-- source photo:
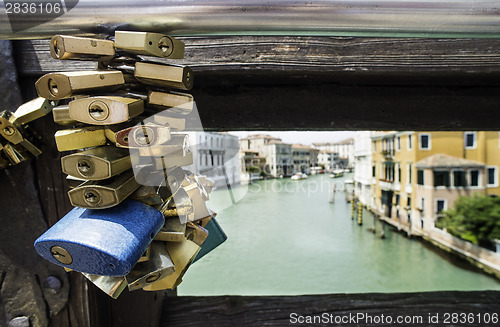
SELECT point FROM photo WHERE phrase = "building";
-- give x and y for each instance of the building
(363, 167)
(216, 156)
(415, 176)
(302, 155)
(278, 155)
(251, 165)
(328, 159)
(345, 150)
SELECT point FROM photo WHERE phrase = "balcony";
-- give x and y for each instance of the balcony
(388, 154)
(387, 185)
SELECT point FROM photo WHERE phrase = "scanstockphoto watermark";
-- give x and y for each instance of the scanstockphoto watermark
(24, 14)
(306, 187)
(364, 318)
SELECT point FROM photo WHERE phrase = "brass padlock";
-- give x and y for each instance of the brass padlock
(178, 205)
(158, 267)
(80, 138)
(199, 205)
(81, 48)
(107, 110)
(182, 254)
(138, 136)
(103, 194)
(148, 195)
(175, 102)
(61, 116)
(97, 163)
(32, 110)
(179, 143)
(172, 231)
(175, 124)
(177, 159)
(149, 44)
(111, 285)
(56, 86)
(174, 76)
(14, 154)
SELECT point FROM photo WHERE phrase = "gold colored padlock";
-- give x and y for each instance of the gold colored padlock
(61, 116)
(32, 110)
(103, 194)
(81, 48)
(173, 76)
(172, 231)
(175, 124)
(179, 143)
(196, 233)
(182, 254)
(158, 267)
(102, 110)
(56, 86)
(149, 44)
(111, 285)
(177, 159)
(97, 163)
(200, 207)
(138, 136)
(80, 138)
(175, 102)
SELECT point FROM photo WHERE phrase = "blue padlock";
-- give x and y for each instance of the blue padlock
(106, 242)
(216, 237)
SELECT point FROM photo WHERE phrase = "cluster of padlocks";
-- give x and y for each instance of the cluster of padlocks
(140, 219)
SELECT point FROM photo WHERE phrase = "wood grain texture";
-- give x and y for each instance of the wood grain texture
(221, 311)
(333, 58)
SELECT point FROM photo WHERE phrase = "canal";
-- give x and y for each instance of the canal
(285, 238)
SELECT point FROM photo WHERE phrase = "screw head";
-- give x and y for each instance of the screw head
(92, 197)
(61, 255)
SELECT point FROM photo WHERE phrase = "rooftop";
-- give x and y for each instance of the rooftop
(442, 160)
(346, 141)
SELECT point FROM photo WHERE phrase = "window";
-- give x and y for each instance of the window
(374, 146)
(470, 140)
(409, 142)
(440, 206)
(408, 202)
(459, 178)
(441, 178)
(399, 143)
(474, 177)
(399, 172)
(492, 176)
(397, 199)
(374, 170)
(424, 141)
(409, 173)
(420, 177)
(423, 204)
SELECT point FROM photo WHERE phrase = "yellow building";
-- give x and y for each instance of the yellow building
(416, 175)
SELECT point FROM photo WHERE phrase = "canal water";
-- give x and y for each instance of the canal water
(286, 238)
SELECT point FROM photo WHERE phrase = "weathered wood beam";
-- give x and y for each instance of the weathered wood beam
(259, 311)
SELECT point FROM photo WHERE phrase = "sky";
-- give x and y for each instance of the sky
(306, 138)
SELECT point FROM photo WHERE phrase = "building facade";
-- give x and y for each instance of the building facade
(345, 150)
(415, 176)
(363, 167)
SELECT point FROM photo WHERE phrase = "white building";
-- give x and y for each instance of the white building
(216, 156)
(344, 148)
(363, 167)
(278, 155)
(328, 159)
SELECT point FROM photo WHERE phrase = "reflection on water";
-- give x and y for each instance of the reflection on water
(285, 238)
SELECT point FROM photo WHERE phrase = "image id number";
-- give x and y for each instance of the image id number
(32, 8)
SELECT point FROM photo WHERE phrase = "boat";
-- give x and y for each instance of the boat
(337, 173)
(298, 176)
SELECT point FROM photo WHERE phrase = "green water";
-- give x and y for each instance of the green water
(285, 238)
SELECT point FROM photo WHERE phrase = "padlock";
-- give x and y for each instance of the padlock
(56, 86)
(74, 181)
(103, 194)
(14, 154)
(140, 135)
(32, 110)
(12, 131)
(178, 143)
(200, 208)
(216, 237)
(195, 233)
(175, 102)
(81, 48)
(158, 266)
(182, 254)
(97, 163)
(148, 195)
(176, 159)
(164, 118)
(107, 110)
(111, 285)
(178, 205)
(61, 116)
(149, 44)
(172, 231)
(80, 138)
(101, 242)
(164, 75)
